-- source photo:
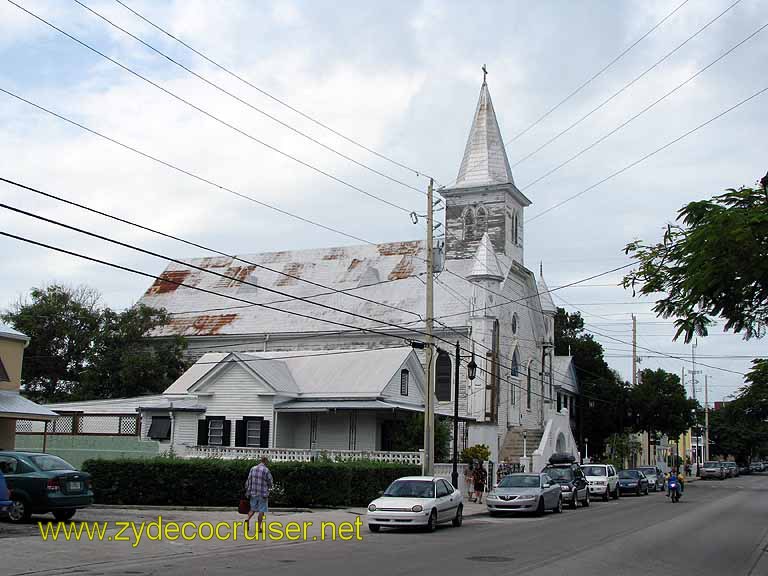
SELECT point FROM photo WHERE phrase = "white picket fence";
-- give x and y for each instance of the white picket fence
(301, 455)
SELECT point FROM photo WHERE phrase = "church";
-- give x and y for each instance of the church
(285, 373)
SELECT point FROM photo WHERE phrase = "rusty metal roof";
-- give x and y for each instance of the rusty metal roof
(384, 273)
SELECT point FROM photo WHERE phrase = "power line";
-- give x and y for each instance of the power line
(221, 67)
(644, 110)
(213, 116)
(596, 75)
(245, 102)
(650, 154)
(206, 248)
(625, 87)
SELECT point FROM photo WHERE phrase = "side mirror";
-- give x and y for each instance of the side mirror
(381, 492)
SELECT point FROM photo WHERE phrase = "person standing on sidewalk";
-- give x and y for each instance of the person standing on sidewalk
(257, 490)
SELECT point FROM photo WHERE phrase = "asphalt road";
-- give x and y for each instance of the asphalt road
(719, 528)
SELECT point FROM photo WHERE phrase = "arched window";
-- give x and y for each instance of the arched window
(528, 387)
(469, 224)
(481, 222)
(515, 371)
(404, 382)
(514, 228)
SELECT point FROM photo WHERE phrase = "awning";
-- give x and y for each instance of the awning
(13, 405)
(330, 405)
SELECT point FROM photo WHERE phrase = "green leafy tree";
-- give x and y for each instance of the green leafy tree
(408, 435)
(603, 401)
(80, 349)
(713, 262)
(659, 403)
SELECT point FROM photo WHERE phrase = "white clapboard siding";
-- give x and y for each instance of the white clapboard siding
(237, 393)
(185, 428)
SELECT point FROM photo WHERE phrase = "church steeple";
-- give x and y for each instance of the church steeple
(485, 160)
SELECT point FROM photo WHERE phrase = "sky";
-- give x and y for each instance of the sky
(402, 78)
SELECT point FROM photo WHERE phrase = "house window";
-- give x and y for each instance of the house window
(404, 383)
(481, 222)
(469, 224)
(528, 387)
(3, 373)
(160, 428)
(216, 432)
(515, 369)
(559, 402)
(253, 432)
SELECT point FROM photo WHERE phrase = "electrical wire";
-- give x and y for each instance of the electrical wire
(419, 173)
(213, 116)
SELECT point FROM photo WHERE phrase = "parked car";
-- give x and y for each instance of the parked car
(633, 482)
(5, 495)
(603, 480)
(732, 468)
(573, 484)
(655, 477)
(756, 466)
(41, 483)
(745, 469)
(525, 493)
(712, 469)
(416, 501)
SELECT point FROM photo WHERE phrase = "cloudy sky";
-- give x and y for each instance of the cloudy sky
(403, 79)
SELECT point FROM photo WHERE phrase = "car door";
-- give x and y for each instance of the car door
(580, 483)
(441, 500)
(453, 500)
(17, 480)
(551, 491)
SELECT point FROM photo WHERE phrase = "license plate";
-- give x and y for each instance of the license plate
(74, 486)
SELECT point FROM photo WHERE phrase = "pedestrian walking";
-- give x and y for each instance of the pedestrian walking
(257, 490)
(480, 478)
(469, 480)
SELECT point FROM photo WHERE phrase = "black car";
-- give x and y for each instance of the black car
(562, 468)
(633, 482)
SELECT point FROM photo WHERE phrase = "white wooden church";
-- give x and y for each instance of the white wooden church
(267, 379)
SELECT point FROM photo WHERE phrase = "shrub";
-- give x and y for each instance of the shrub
(214, 482)
(479, 452)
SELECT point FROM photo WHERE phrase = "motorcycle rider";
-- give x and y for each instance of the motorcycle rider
(674, 477)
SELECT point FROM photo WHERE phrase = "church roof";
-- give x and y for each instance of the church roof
(485, 161)
(547, 304)
(485, 262)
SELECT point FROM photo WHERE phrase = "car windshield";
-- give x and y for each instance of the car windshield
(646, 471)
(595, 470)
(559, 473)
(47, 463)
(520, 481)
(711, 464)
(411, 489)
(629, 474)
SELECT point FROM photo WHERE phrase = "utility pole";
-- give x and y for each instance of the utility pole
(634, 350)
(696, 415)
(706, 417)
(455, 471)
(427, 465)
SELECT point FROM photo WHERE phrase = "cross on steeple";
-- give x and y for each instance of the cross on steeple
(485, 73)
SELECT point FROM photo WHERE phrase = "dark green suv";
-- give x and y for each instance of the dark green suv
(41, 483)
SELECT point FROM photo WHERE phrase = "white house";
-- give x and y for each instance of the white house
(485, 298)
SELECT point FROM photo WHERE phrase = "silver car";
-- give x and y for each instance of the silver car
(712, 470)
(525, 493)
(655, 477)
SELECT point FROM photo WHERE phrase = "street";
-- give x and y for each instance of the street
(718, 528)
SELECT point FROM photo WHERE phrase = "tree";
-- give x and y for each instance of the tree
(712, 262)
(80, 349)
(603, 393)
(408, 435)
(659, 404)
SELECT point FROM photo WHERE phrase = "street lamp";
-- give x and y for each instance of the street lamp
(586, 449)
(472, 368)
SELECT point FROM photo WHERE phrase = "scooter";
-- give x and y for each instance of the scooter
(674, 490)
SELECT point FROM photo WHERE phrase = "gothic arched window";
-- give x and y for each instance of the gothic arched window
(469, 223)
(481, 222)
(515, 370)
(514, 228)
(528, 390)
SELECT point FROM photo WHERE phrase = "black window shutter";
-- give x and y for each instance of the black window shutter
(443, 373)
(265, 434)
(240, 433)
(202, 432)
(226, 436)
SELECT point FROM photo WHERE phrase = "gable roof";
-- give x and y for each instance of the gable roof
(13, 405)
(565, 373)
(12, 334)
(485, 159)
(485, 263)
(547, 304)
(322, 374)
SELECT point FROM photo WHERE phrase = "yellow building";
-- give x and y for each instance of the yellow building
(12, 405)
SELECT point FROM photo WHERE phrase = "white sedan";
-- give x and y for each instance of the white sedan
(416, 501)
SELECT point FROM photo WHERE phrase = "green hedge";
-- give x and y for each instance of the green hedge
(211, 482)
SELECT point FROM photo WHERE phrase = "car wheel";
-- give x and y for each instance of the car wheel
(432, 522)
(605, 495)
(585, 502)
(19, 511)
(64, 515)
(459, 517)
(374, 527)
(540, 507)
(559, 508)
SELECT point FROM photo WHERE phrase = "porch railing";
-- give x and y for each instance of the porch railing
(301, 455)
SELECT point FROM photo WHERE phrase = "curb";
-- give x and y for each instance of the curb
(189, 508)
